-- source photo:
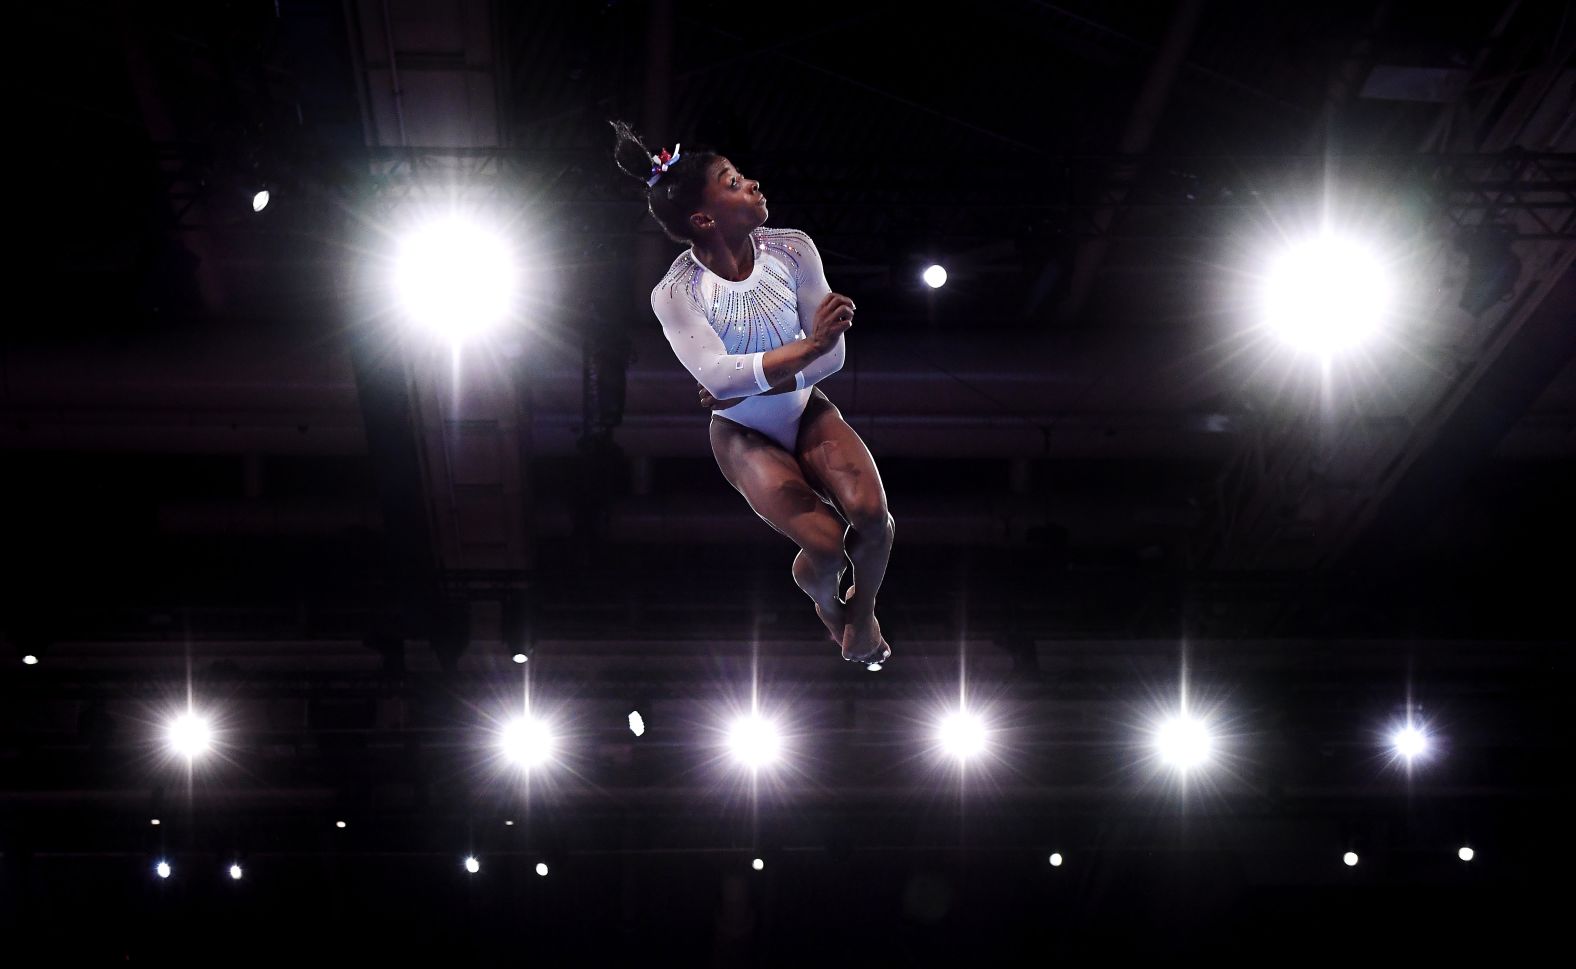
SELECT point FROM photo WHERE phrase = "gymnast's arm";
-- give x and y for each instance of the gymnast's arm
(726, 375)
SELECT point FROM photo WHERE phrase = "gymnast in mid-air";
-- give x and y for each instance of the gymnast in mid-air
(748, 311)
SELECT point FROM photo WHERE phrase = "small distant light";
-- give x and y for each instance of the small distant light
(163, 869)
(155, 822)
(30, 659)
(758, 864)
(935, 277)
(235, 872)
(1466, 854)
(508, 824)
(1410, 742)
(339, 824)
(472, 865)
(541, 870)
(637, 725)
(1350, 859)
(520, 657)
(1056, 861)
(874, 667)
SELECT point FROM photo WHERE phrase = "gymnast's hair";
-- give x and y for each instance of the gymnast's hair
(678, 191)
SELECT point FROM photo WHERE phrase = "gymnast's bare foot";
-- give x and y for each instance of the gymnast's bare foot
(862, 640)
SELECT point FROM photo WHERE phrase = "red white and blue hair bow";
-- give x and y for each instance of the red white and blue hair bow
(660, 163)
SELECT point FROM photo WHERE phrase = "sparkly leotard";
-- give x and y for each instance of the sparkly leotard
(720, 329)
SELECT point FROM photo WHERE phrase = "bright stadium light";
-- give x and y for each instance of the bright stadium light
(754, 741)
(1410, 742)
(456, 278)
(1184, 742)
(528, 742)
(190, 736)
(1326, 295)
(963, 735)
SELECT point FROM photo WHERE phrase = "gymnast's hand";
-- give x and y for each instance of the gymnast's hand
(713, 404)
(832, 317)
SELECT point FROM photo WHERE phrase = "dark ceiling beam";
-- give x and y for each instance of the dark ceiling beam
(1079, 30)
(881, 93)
(388, 415)
(152, 103)
(1136, 136)
(1467, 434)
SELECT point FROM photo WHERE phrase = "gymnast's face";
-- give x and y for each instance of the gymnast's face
(732, 205)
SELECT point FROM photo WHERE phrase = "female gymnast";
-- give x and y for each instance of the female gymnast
(749, 313)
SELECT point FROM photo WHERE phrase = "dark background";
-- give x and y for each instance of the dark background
(228, 473)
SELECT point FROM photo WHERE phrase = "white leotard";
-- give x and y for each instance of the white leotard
(720, 329)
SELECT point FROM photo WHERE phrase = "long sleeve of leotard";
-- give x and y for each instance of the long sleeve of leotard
(725, 375)
(811, 289)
